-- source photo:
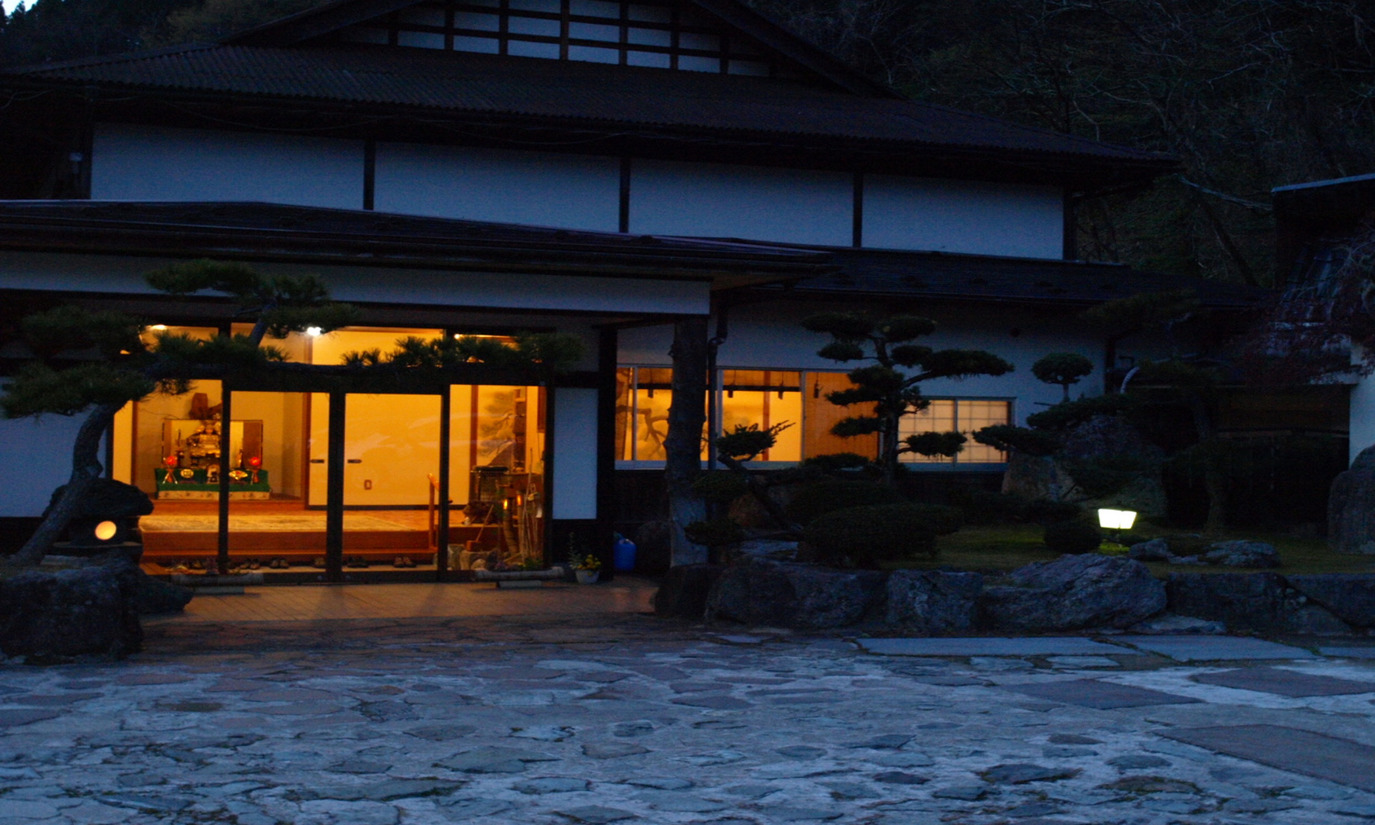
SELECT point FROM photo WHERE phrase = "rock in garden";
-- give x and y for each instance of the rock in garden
(1168, 624)
(683, 591)
(1241, 601)
(764, 549)
(66, 614)
(1351, 507)
(1350, 597)
(1072, 593)
(1242, 554)
(794, 595)
(932, 602)
(1153, 550)
(1251, 602)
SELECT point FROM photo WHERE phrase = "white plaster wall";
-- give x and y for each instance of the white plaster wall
(38, 452)
(157, 164)
(960, 216)
(575, 453)
(534, 188)
(1362, 412)
(714, 200)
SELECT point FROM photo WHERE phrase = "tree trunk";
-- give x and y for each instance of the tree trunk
(683, 445)
(1214, 477)
(86, 468)
(888, 449)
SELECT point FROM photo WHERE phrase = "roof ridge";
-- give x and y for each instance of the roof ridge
(109, 59)
(1044, 130)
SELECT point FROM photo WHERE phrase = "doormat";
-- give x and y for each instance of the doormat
(266, 523)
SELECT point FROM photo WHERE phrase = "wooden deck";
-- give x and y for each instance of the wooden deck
(627, 594)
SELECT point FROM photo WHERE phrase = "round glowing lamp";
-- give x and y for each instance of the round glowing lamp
(106, 530)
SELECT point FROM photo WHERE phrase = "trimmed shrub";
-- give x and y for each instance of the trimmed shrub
(822, 497)
(988, 507)
(1046, 511)
(715, 533)
(720, 486)
(1076, 536)
(943, 518)
(870, 535)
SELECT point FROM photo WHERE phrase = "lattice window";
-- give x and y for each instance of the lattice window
(593, 31)
(967, 416)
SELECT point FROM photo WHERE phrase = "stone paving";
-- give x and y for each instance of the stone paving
(629, 718)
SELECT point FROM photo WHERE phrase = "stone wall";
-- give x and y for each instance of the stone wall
(1072, 594)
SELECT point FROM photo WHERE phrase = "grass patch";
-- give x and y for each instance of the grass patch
(1003, 548)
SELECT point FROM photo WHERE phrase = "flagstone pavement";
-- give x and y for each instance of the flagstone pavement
(620, 717)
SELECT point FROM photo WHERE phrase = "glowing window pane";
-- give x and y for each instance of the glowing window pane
(965, 416)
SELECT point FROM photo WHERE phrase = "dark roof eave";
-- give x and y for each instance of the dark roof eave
(1107, 174)
(632, 257)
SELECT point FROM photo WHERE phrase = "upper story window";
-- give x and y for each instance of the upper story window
(622, 33)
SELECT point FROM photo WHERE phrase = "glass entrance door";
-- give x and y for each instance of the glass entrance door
(374, 466)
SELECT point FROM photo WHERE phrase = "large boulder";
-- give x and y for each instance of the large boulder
(1349, 597)
(932, 602)
(1073, 593)
(1242, 554)
(1351, 507)
(683, 591)
(68, 614)
(795, 595)
(1241, 601)
(1251, 602)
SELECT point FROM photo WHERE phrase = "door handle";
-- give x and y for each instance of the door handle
(317, 461)
(355, 460)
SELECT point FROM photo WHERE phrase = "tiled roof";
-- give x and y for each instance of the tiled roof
(573, 94)
(340, 236)
(263, 231)
(982, 278)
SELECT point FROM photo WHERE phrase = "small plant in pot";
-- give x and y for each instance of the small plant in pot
(587, 568)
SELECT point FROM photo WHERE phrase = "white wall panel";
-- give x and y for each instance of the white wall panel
(535, 188)
(1362, 411)
(722, 201)
(39, 449)
(958, 216)
(156, 164)
(575, 454)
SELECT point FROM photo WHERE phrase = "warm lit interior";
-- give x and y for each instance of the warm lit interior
(279, 449)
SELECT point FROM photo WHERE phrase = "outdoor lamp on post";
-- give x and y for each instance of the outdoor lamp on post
(1116, 520)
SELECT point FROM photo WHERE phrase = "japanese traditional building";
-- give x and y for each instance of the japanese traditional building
(600, 168)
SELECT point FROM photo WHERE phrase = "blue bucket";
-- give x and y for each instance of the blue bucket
(624, 557)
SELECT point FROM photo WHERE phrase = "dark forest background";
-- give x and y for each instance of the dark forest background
(1248, 94)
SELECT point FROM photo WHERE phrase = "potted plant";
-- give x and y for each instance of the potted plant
(587, 569)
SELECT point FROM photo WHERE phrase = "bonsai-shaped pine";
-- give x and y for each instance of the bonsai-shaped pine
(886, 384)
(94, 362)
(1043, 434)
(1063, 368)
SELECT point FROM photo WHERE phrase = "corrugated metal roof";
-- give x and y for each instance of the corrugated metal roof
(570, 93)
